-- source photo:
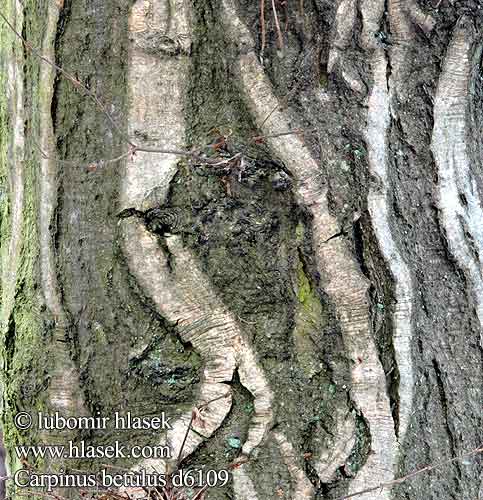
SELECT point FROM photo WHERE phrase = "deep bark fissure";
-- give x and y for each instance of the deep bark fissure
(444, 404)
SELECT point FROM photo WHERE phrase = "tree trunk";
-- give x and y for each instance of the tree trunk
(262, 218)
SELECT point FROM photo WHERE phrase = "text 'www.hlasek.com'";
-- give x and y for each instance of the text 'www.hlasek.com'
(106, 475)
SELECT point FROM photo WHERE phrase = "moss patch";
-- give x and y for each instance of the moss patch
(25, 358)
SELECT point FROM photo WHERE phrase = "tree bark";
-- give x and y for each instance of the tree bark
(300, 290)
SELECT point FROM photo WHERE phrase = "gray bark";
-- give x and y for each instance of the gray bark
(308, 281)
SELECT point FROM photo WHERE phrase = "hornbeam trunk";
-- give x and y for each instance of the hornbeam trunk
(262, 219)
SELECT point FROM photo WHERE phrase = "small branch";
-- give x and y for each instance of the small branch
(411, 475)
(277, 26)
(134, 148)
(77, 83)
(178, 152)
(76, 162)
(259, 138)
(262, 26)
(193, 414)
(198, 495)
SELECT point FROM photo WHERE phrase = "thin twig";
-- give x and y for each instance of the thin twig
(204, 405)
(177, 152)
(411, 475)
(258, 138)
(179, 457)
(277, 26)
(76, 82)
(133, 148)
(198, 495)
(76, 162)
(262, 26)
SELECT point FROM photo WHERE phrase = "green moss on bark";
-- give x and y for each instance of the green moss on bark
(25, 343)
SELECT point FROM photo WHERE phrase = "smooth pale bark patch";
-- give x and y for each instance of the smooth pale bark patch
(156, 88)
(458, 197)
(243, 486)
(378, 206)
(303, 488)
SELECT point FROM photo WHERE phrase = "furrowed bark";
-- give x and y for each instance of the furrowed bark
(64, 389)
(342, 279)
(403, 16)
(437, 283)
(386, 88)
(379, 209)
(183, 296)
(376, 138)
(371, 12)
(312, 325)
(458, 194)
